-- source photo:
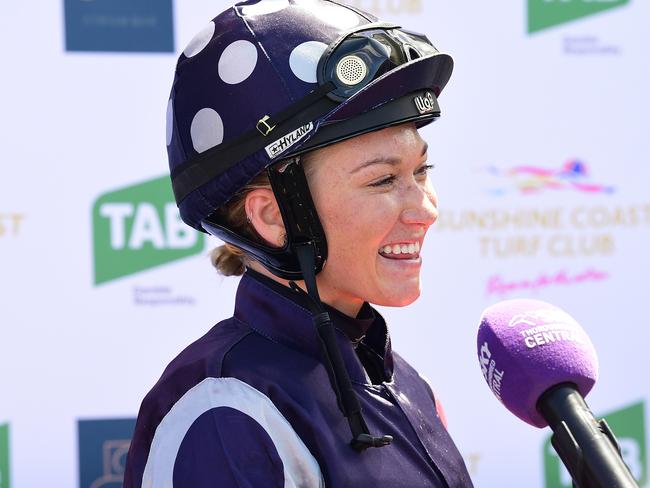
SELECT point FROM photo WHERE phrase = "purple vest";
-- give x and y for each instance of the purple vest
(250, 405)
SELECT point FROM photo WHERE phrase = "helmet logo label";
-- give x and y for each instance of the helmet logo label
(426, 103)
(285, 142)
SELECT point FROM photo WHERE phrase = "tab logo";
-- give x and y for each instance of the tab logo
(543, 14)
(291, 139)
(5, 480)
(628, 425)
(103, 446)
(138, 228)
(426, 103)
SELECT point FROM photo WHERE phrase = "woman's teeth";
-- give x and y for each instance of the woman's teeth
(412, 248)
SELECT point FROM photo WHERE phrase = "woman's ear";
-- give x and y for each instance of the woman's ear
(263, 213)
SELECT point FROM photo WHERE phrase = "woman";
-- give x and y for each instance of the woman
(292, 135)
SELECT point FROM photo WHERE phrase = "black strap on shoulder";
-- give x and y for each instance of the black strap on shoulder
(346, 397)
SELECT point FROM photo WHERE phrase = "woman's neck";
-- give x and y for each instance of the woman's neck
(349, 307)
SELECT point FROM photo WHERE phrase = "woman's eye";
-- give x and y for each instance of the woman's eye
(384, 181)
(424, 169)
(389, 180)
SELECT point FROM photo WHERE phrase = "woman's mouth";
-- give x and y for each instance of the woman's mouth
(402, 250)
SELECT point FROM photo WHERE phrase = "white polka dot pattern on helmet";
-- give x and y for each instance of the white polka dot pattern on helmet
(265, 7)
(237, 62)
(206, 129)
(199, 41)
(304, 58)
(169, 131)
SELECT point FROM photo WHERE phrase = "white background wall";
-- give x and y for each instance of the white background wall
(76, 125)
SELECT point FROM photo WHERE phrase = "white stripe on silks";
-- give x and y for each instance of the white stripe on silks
(301, 469)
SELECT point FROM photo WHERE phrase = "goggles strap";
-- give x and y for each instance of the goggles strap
(302, 104)
(362, 28)
(341, 384)
(207, 165)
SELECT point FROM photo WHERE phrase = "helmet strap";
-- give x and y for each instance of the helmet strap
(339, 378)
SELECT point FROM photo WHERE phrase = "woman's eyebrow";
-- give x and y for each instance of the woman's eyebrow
(384, 160)
(379, 160)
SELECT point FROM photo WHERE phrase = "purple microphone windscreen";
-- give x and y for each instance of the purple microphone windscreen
(527, 346)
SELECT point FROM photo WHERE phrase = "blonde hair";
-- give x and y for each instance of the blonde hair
(230, 260)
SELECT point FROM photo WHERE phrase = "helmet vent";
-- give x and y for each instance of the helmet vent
(351, 70)
(411, 52)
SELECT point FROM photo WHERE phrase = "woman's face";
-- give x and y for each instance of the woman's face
(376, 203)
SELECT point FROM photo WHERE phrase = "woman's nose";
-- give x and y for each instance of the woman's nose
(421, 205)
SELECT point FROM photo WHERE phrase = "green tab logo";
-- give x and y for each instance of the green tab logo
(138, 228)
(543, 14)
(628, 425)
(4, 456)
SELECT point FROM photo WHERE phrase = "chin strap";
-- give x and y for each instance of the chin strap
(339, 378)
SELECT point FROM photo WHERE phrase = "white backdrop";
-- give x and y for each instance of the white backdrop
(75, 126)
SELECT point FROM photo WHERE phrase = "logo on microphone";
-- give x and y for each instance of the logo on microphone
(540, 317)
(521, 319)
(628, 425)
(492, 375)
(546, 326)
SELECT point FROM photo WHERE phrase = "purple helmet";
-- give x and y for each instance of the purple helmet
(267, 80)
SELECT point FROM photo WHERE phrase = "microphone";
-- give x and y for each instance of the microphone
(540, 363)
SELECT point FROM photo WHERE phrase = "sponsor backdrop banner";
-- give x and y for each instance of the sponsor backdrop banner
(119, 25)
(4, 456)
(542, 170)
(103, 446)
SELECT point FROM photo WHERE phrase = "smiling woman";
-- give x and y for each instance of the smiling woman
(375, 221)
(323, 205)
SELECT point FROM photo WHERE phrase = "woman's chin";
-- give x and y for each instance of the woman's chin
(406, 297)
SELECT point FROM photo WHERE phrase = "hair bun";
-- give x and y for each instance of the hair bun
(229, 260)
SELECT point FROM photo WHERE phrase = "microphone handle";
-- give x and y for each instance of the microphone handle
(586, 446)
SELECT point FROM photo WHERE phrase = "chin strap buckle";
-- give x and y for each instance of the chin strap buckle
(332, 359)
(364, 441)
